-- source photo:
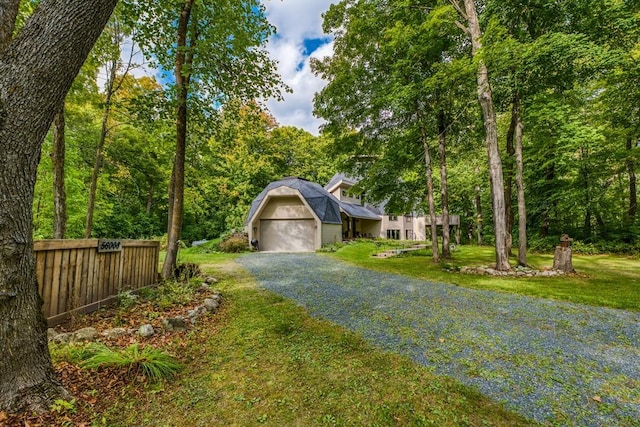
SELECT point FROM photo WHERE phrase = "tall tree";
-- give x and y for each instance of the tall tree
(467, 9)
(59, 191)
(37, 69)
(116, 72)
(216, 49)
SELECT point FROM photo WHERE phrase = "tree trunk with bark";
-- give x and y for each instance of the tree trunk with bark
(8, 14)
(183, 63)
(633, 195)
(485, 98)
(59, 192)
(97, 164)
(509, 173)
(522, 206)
(430, 201)
(36, 71)
(442, 150)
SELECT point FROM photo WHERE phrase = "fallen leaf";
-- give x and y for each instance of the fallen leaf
(597, 399)
(3, 416)
(441, 340)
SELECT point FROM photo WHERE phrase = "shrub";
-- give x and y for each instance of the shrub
(126, 299)
(153, 364)
(234, 244)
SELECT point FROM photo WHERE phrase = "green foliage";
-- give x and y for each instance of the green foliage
(126, 299)
(62, 406)
(153, 364)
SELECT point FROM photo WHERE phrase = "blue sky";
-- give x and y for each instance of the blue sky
(300, 36)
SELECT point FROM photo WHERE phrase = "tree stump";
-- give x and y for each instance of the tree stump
(562, 260)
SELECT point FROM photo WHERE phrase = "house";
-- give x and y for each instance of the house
(366, 220)
(296, 215)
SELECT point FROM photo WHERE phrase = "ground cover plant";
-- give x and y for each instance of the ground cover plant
(556, 362)
(602, 280)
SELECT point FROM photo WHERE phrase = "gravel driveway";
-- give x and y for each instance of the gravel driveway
(554, 362)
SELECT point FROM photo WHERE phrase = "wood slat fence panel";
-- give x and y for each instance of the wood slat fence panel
(74, 277)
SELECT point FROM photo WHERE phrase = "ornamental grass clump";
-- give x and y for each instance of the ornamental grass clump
(149, 362)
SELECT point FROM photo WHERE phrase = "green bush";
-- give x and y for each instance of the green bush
(153, 364)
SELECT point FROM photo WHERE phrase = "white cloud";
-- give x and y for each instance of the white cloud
(297, 21)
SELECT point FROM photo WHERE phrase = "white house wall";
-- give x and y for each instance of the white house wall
(331, 233)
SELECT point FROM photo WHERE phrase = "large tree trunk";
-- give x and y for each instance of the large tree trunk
(485, 99)
(430, 201)
(97, 164)
(36, 71)
(633, 195)
(182, 86)
(522, 206)
(442, 150)
(59, 192)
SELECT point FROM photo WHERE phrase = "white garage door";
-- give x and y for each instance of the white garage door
(287, 235)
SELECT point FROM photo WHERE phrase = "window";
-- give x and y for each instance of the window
(393, 234)
(393, 218)
(344, 192)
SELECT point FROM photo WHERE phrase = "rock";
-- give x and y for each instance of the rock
(490, 271)
(210, 279)
(63, 338)
(481, 270)
(51, 334)
(146, 330)
(85, 334)
(174, 324)
(212, 304)
(196, 313)
(112, 334)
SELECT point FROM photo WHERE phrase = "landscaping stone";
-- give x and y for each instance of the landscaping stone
(63, 338)
(115, 333)
(210, 279)
(51, 334)
(174, 323)
(196, 313)
(146, 331)
(85, 334)
(212, 304)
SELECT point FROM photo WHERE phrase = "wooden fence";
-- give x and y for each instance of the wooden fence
(75, 276)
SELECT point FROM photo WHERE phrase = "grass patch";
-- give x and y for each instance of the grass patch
(605, 280)
(269, 363)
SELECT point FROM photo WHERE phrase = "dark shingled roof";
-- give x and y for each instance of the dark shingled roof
(324, 204)
(357, 211)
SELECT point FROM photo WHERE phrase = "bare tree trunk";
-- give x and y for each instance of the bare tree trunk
(59, 192)
(97, 164)
(633, 195)
(8, 14)
(485, 99)
(36, 71)
(478, 204)
(150, 196)
(442, 149)
(432, 208)
(183, 61)
(522, 206)
(508, 173)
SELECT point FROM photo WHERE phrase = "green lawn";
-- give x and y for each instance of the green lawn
(264, 361)
(603, 280)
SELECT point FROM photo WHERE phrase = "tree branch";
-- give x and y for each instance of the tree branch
(8, 15)
(459, 9)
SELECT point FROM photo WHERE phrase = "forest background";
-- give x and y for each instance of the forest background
(570, 68)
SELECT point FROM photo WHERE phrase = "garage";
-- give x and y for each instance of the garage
(294, 215)
(287, 235)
